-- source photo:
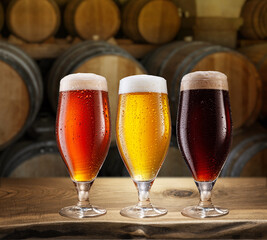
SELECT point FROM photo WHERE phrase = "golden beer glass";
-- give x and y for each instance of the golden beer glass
(143, 131)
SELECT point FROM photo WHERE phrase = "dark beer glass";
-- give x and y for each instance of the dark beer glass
(204, 129)
(83, 135)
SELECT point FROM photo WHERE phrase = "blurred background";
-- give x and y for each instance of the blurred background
(43, 40)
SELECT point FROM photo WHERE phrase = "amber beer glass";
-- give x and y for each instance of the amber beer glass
(143, 131)
(204, 129)
(83, 135)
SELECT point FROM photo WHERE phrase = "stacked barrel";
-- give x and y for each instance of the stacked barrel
(254, 13)
(154, 21)
(29, 87)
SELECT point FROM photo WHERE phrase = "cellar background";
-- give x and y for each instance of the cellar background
(203, 33)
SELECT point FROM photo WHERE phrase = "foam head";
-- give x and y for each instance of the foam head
(83, 81)
(143, 83)
(204, 80)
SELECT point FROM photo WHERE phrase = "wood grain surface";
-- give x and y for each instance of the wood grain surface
(258, 55)
(21, 93)
(92, 19)
(254, 15)
(29, 209)
(33, 21)
(155, 21)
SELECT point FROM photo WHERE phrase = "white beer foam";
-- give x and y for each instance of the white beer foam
(82, 81)
(143, 83)
(204, 80)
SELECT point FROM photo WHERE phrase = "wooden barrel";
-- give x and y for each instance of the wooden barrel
(154, 21)
(33, 21)
(21, 93)
(248, 155)
(258, 55)
(254, 13)
(97, 57)
(92, 19)
(176, 59)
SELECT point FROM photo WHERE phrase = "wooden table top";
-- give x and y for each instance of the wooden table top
(29, 209)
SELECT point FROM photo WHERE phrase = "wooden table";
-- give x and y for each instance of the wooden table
(29, 209)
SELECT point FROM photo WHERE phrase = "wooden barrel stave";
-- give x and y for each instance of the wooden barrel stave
(153, 61)
(96, 24)
(129, 20)
(159, 21)
(35, 85)
(247, 14)
(41, 22)
(23, 107)
(254, 16)
(258, 55)
(143, 21)
(262, 17)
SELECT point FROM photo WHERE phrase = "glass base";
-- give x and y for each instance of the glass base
(201, 212)
(82, 212)
(142, 212)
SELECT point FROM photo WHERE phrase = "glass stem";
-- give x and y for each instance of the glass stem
(205, 189)
(143, 194)
(83, 189)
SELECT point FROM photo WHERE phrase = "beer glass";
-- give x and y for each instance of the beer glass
(143, 131)
(83, 135)
(204, 129)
